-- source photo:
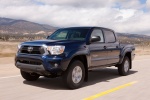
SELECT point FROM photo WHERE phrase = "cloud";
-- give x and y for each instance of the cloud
(78, 3)
(5, 3)
(139, 23)
(129, 4)
(148, 4)
(65, 13)
(95, 3)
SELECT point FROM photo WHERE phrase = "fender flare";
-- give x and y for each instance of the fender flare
(123, 53)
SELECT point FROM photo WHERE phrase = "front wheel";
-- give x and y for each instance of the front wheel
(74, 76)
(29, 76)
(124, 67)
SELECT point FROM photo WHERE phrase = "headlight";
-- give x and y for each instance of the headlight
(56, 50)
(19, 46)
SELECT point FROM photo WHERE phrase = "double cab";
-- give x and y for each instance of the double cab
(71, 53)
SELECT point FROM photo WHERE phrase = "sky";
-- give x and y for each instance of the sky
(125, 16)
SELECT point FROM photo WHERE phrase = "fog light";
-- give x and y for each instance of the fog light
(56, 65)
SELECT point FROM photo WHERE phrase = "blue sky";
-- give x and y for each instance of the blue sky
(127, 16)
(38, 2)
(143, 1)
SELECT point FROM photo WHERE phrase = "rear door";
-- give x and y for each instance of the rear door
(112, 46)
(98, 54)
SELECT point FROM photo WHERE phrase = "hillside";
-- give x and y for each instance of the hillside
(12, 26)
(138, 36)
(18, 30)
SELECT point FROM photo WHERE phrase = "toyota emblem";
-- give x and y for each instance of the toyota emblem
(30, 49)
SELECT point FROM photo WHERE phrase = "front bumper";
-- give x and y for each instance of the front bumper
(41, 64)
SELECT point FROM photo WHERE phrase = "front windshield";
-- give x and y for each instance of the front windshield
(69, 34)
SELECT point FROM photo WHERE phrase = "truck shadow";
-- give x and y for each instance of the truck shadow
(104, 75)
(95, 76)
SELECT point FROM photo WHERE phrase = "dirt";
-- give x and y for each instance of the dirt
(8, 49)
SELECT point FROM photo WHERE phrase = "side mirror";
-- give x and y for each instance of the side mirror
(47, 37)
(95, 38)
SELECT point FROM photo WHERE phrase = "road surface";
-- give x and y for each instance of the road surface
(103, 84)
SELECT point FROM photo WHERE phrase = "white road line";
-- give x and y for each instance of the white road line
(10, 77)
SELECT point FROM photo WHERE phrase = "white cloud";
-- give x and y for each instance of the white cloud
(148, 3)
(127, 13)
(136, 24)
(67, 13)
(78, 3)
(5, 3)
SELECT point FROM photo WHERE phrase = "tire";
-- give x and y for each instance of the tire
(75, 74)
(28, 76)
(124, 67)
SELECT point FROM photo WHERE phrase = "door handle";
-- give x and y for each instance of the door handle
(105, 47)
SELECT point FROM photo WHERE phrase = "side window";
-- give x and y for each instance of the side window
(110, 37)
(98, 32)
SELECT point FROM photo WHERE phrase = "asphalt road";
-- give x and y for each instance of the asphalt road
(103, 84)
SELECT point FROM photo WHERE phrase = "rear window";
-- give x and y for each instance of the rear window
(110, 36)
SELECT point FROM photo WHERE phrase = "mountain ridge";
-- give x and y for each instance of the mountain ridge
(140, 36)
(13, 26)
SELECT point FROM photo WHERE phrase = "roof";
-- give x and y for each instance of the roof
(87, 27)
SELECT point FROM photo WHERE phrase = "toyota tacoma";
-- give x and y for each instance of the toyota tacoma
(71, 53)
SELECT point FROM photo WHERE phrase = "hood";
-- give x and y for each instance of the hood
(52, 42)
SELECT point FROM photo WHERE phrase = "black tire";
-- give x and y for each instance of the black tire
(68, 75)
(28, 76)
(122, 69)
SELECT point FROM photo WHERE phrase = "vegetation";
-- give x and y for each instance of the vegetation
(21, 37)
(29, 37)
(8, 43)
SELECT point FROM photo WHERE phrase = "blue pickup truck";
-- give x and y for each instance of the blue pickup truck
(71, 53)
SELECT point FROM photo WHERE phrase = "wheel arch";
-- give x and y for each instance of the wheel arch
(84, 60)
(127, 54)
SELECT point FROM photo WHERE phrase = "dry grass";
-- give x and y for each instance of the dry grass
(9, 49)
(142, 50)
(7, 54)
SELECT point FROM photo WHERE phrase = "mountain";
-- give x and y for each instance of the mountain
(138, 36)
(13, 26)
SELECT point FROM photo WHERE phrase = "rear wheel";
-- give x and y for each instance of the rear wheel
(29, 76)
(75, 74)
(124, 68)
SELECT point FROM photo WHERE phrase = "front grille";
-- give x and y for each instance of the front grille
(30, 62)
(35, 50)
